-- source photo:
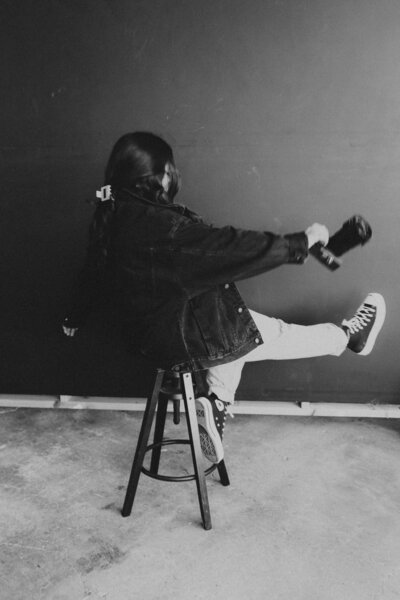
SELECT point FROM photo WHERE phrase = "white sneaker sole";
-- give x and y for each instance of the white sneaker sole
(378, 301)
(210, 440)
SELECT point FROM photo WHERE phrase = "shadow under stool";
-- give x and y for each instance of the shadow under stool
(172, 386)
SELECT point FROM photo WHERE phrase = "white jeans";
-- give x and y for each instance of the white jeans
(282, 341)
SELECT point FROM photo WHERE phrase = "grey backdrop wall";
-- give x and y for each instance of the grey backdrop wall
(281, 113)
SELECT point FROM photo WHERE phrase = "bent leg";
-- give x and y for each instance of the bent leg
(223, 380)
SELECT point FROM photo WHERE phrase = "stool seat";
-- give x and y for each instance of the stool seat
(174, 386)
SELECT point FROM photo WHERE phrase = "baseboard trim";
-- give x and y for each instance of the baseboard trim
(262, 407)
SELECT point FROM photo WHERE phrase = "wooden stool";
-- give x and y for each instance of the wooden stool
(180, 386)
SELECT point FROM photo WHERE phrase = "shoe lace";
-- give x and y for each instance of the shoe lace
(361, 319)
(227, 409)
(223, 411)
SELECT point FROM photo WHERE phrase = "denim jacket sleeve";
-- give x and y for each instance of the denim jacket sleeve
(208, 256)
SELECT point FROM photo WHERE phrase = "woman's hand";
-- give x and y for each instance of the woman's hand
(70, 331)
(317, 233)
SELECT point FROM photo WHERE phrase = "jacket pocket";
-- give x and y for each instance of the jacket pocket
(216, 323)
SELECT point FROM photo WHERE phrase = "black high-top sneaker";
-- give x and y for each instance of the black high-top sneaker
(211, 417)
(367, 322)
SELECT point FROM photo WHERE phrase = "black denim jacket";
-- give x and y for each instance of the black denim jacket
(174, 282)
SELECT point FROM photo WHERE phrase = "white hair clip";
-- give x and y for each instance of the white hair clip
(104, 193)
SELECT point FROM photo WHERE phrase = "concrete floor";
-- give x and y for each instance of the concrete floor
(312, 513)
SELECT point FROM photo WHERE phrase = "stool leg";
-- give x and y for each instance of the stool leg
(141, 446)
(197, 456)
(223, 473)
(177, 410)
(158, 435)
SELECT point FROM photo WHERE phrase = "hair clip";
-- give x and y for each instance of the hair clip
(104, 193)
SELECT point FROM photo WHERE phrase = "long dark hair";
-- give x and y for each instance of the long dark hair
(137, 163)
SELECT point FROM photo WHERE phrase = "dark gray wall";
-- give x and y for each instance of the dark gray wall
(281, 113)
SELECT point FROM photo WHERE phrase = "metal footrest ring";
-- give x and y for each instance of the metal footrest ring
(177, 478)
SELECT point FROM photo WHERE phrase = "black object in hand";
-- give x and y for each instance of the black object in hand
(354, 232)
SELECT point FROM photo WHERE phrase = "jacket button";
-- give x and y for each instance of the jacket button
(226, 286)
(240, 309)
(257, 340)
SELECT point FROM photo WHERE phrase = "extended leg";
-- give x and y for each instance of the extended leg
(282, 341)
